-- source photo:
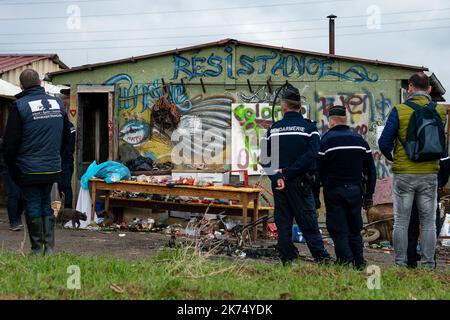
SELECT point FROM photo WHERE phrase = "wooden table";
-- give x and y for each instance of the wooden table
(244, 195)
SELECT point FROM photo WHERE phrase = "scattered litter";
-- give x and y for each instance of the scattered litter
(122, 235)
(297, 235)
(116, 288)
(385, 244)
(93, 228)
(445, 231)
(240, 254)
(272, 230)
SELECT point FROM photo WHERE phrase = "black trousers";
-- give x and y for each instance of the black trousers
(290, 204)
(414, 232)
(344, 222)
(65, 186)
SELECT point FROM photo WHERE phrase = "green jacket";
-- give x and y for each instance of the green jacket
(402, 164)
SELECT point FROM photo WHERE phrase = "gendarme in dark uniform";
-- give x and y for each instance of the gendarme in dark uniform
(67, 167)
(344, 159)
(291, 169)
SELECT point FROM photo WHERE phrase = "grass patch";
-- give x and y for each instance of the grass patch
(184, 274)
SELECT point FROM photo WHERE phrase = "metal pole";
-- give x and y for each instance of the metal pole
(331, 18)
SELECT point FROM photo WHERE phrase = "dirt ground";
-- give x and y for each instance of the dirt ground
(136, 245)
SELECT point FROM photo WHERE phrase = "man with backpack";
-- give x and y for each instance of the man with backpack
(415, 132)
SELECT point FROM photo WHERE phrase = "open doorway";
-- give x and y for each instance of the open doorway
(95, 126)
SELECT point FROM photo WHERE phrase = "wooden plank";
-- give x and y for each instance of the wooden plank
(94, 89)
(185, 207)
(217, 188)
(245, 195)
(199, 204)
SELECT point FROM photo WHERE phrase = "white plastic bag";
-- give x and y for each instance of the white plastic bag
(445, 231)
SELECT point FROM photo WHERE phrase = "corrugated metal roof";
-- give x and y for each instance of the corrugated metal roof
(237, 42)
(12, 61)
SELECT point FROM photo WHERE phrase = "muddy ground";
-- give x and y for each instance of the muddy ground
(135, 245)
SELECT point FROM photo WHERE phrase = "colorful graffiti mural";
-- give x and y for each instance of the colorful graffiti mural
(245, 114)
(138, 104)
(204, 131)
(362, 108)
(277, 64)
(365, 113)
(249, 124)
(143, 96)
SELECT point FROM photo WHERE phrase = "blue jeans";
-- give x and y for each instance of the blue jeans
(421, 189)
(15, 206)
(37, 200)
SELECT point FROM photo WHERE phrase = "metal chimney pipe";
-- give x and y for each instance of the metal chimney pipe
(331, 18)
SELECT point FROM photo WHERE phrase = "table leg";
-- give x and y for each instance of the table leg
(265, 230)
(93, 199)
(108, 194)
(255, 216)
(244, 200)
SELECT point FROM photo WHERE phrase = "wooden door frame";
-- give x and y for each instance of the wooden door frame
(112, 119)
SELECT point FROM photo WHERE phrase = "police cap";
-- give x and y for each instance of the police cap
(291, 93)
(337, 111)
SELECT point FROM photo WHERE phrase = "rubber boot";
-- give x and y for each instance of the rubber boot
(49, 234)
(36, 233)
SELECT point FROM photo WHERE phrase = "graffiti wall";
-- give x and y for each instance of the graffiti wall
(250, 122)
(276, 64)
(251, 118)
(161, 104)
(366, 111)
(149, 114)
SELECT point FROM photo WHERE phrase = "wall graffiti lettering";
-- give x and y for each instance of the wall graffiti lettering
(279, 65)
(144, 95)
(362, 109)
(249, 124)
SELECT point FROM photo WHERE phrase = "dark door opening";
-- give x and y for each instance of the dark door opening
(94, 118)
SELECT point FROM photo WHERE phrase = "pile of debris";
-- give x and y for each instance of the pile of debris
(141, 164)
(169, 198)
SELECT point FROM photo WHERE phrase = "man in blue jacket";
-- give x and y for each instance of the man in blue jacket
(348, 175)
(289, 155)
(36, 130)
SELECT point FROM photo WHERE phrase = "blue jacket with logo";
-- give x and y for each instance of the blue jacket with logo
(344, 158)
(37, 129)
(291, 144)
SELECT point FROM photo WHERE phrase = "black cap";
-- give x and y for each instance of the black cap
(337, 111)
(291, 93)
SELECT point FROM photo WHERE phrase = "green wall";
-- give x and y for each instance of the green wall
(367, 90)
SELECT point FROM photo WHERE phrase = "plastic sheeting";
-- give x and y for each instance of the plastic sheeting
(111, 171)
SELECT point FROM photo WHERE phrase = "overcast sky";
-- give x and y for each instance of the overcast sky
(112, 29)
